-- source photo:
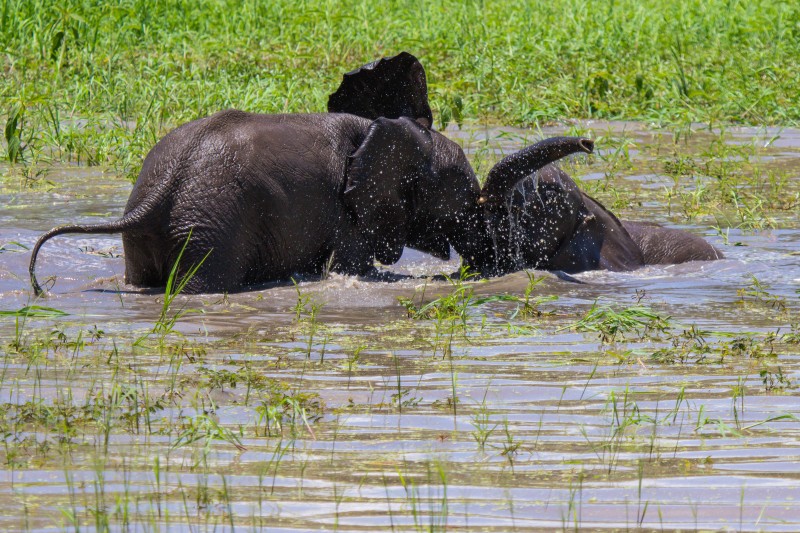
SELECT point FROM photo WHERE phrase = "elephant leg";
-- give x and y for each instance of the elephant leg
(218, 270)
(145, 261)
(149, 260)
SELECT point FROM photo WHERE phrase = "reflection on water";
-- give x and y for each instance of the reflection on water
(552, 427)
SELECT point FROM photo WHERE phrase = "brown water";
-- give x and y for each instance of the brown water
(552, 427)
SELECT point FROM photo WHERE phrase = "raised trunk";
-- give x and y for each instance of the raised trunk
(485, 237)
(505, 175)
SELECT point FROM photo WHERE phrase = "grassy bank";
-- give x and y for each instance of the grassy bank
(131, 70)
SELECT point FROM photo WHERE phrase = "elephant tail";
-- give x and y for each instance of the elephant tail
(127, 222)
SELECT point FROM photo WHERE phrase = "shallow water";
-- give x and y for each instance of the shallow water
(552, 427)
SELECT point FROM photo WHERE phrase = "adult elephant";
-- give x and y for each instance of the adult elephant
(521, 218)
(251, 198)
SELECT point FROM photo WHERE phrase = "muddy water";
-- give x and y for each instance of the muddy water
(552, 427)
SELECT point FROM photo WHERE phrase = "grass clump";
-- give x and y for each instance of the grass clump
(611, 324)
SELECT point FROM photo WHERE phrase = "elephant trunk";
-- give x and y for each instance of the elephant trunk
(505, 175)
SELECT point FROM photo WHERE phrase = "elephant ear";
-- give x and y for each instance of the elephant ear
(382, 178)
(390, 87)
(619, 251)
(600, 241)
(581, 250)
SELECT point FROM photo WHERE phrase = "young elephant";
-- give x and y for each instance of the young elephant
(256, 198)
(520, 218)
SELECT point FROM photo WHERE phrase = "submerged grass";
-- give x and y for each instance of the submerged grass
(243, 431)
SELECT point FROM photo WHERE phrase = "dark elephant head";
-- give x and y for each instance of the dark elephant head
(522, 217)
(395, 87)
(528, 214)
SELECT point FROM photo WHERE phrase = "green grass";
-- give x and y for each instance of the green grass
(100, 82)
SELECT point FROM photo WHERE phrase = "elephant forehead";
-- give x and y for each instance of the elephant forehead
(452, 178)
(541, 190)
(447, 153)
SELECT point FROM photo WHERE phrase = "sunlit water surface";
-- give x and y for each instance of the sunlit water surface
(552, 427)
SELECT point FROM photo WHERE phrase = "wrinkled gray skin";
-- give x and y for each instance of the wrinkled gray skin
(549, 208)
(661, 245)
(521, 218)
(544, 222)
(270, 196)
(275, 195)
(512, 224)
(258, 198)
(540, 221)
